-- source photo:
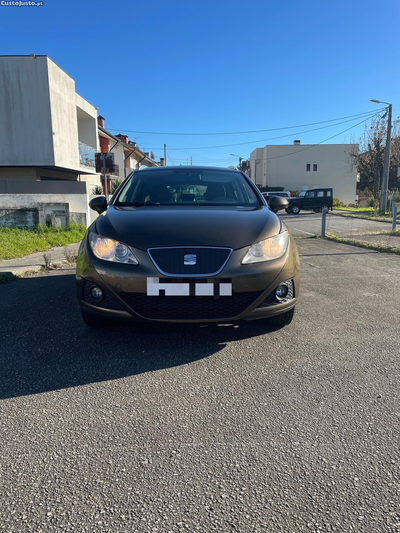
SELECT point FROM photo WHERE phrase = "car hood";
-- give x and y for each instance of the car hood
(151, 226)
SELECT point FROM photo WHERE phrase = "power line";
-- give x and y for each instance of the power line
(249, 131)
(312, 145)
(272, 138)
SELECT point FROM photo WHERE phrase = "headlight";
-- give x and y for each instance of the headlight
(111, 250)
(271, 248)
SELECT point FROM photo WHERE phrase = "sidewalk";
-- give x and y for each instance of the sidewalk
(34, 262)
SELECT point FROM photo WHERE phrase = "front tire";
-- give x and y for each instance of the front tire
(284, 319)
(295, 209)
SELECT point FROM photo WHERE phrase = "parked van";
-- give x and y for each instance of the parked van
(283, 194)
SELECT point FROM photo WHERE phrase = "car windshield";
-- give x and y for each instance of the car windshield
(190, 187)
(302, 193)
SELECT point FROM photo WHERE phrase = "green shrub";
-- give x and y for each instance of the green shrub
(373, 202)
(97, 189)
(395, 194)
(337, 203)
(114, 185)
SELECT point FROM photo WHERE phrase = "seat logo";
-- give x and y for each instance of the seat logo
(189, 259)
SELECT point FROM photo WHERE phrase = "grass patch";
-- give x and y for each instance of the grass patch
(364, 244)
(368, 216)
(18, 242)
(367, 210)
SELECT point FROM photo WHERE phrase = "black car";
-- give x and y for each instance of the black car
(187, 244)
(311, 200)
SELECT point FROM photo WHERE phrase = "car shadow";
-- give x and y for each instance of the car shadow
(45, 345)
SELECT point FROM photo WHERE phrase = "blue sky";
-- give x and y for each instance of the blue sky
(219, 66)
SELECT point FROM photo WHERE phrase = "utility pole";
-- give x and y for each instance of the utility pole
(386, 164)
(105, 174)
(165, 155)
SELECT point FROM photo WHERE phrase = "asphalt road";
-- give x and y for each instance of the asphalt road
(307, 223)
(160, 428)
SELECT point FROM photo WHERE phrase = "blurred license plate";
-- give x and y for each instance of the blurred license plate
(170, 287)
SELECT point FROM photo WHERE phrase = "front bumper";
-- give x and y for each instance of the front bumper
(125, 289)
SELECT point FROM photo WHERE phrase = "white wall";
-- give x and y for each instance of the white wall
(286, 166)
(25, 127)
(63, 116)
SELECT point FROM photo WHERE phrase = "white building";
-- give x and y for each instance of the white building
(49, 136)
(297, 167)
(47, 130)
(127, 155)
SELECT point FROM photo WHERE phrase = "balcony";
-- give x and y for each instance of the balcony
(87, 156)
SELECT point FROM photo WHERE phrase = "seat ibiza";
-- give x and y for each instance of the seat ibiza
(187, 244)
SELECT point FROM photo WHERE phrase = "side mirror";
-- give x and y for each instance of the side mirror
(98, 204)
(277, 203)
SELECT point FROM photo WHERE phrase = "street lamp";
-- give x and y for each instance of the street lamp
(240, 160)
(385, 177)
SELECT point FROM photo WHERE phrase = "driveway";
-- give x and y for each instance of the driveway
(158, 428)
(305, 224)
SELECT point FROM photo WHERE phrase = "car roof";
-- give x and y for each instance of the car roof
(187, 167)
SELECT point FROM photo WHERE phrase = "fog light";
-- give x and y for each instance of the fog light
(96, 293)
(281, 292)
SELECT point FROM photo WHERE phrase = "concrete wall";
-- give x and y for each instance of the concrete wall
(87, 122)
(63, 116)
(19, 218)
(26, 135)
(286, 166)
(78, 205)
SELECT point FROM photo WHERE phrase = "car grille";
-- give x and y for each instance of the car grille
(273, 300)
(171, 262)
(187, 307)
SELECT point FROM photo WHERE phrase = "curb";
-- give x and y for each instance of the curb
(12, 268)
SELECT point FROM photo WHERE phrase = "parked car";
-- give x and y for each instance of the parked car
(311, 200)
(219, 254)
(282, 194)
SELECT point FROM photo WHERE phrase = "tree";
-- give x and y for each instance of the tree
(370, 157)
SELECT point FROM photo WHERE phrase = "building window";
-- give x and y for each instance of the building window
(314, 167)
(308, 166)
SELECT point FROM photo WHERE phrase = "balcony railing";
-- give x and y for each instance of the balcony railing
(87, 156)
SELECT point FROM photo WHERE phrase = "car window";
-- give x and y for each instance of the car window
(310, 194)
(320, 194)
(176, 187)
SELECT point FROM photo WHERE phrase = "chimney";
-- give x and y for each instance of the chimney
(123, 138)
(296, 142)
(100, 121)
(162, 162)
